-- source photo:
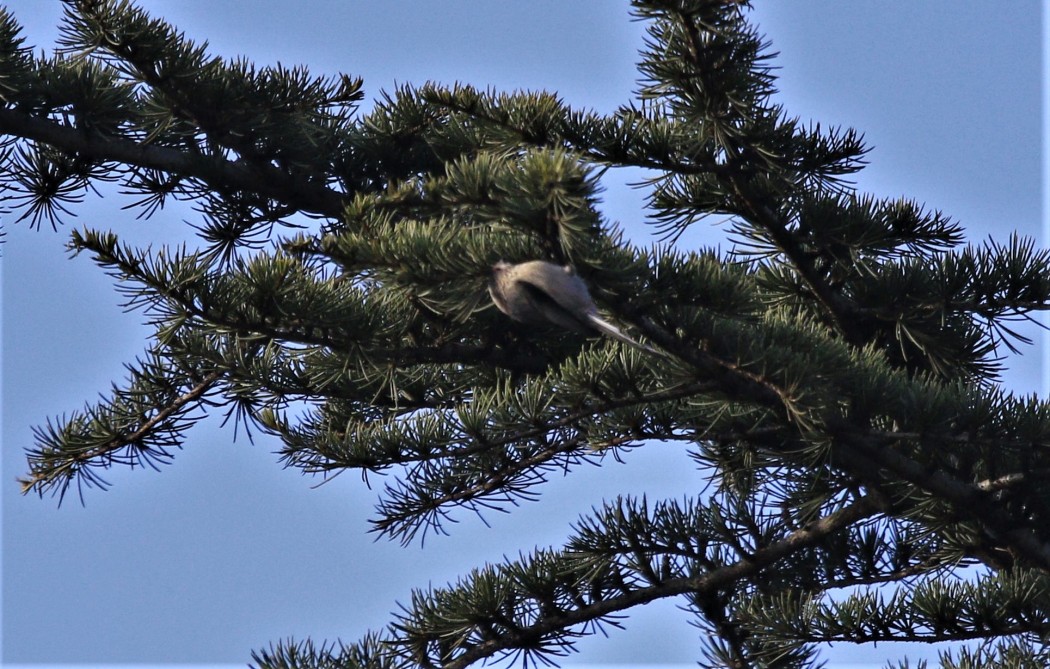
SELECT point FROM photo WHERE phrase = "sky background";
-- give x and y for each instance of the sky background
(223, 551)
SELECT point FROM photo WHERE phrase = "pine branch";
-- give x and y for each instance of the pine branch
(712, 581)
(968, 500)
(52, 466)
(215, 172)
(846, 316)
(1011, 603)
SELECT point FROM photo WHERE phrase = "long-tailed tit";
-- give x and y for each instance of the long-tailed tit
(540, 292)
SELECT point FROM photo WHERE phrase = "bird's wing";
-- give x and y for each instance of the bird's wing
(551, 310)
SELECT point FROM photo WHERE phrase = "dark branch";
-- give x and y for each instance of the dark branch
(217, 173)
(709, 582)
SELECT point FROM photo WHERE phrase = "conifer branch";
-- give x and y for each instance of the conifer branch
(967, 499)
(215, 172)
(710, 582)
(53, 468)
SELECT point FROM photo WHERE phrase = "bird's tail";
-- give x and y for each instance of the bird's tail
(611, 330)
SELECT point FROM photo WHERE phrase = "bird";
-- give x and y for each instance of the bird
(543, 293)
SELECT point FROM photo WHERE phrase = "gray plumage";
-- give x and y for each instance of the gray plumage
(542, 293)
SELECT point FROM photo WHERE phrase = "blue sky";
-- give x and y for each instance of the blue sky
(223, 551)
